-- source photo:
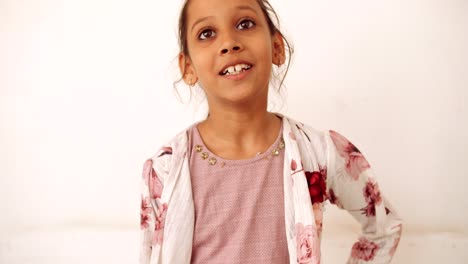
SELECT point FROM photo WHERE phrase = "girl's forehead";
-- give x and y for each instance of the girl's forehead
(211, 8)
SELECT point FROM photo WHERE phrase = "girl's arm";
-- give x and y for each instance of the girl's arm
(147, 219)
(353, 187)
(152, 214)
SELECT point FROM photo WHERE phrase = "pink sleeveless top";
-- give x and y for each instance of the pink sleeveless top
(239, 206)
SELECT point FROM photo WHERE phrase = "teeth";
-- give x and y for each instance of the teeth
(236, 69)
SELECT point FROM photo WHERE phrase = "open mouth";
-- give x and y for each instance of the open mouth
(236, 69)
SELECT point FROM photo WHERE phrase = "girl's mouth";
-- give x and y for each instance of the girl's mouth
(236, 69)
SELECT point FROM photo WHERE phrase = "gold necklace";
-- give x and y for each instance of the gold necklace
(213, 161)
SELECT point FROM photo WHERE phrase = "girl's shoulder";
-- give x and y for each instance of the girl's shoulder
(178, 142)
(172, 151)
(306, 131)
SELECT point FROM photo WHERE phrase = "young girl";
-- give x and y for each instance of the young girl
(246, 185)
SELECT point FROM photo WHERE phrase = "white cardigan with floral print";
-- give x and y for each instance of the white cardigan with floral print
(318, 166)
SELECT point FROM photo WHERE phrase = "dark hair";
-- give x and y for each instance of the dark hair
(268, 12)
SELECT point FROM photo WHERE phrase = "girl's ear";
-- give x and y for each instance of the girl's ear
(279, 53)
(186, 70)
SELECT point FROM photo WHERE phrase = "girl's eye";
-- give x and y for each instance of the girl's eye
(245, 24)
(206, 34)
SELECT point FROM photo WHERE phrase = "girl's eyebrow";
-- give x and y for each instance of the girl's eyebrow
(243, 7)
(199, 21)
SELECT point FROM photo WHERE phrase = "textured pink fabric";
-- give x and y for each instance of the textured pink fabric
(239, 207)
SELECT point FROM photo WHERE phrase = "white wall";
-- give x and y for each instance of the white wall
(84, 85)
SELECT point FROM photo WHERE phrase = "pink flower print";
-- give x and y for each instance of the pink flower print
(293, 165)
(165, 151)
(372, 193)
(395, 246)
(156, 186)
(372, 196)
(316, 185)
(145, 212)
(151, 179)
(144, 219)
(308, 248)
(369, 210)
(159, 226)
(364, 249)
(292, 135)
(334, 199)
(355, 162)
(332, 196)
(396, 242)
(147, 167)
(323, 171)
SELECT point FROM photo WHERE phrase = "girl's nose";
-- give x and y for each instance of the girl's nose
(233, 49)
(230, 44)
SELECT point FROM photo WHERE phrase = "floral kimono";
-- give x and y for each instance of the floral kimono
(318, 166)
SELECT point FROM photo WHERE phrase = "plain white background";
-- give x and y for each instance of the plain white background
(86, 95)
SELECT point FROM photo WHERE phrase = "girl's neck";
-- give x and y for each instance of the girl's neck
(239, 135)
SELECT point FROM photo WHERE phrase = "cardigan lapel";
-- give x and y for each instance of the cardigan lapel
(289, 212)
(180, 218)
(301, 230)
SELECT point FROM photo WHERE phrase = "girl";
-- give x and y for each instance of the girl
(246, 185)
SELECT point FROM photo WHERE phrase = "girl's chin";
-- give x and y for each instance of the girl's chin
(242, 95)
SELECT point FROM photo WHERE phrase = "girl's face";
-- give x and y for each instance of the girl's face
(230, 50)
